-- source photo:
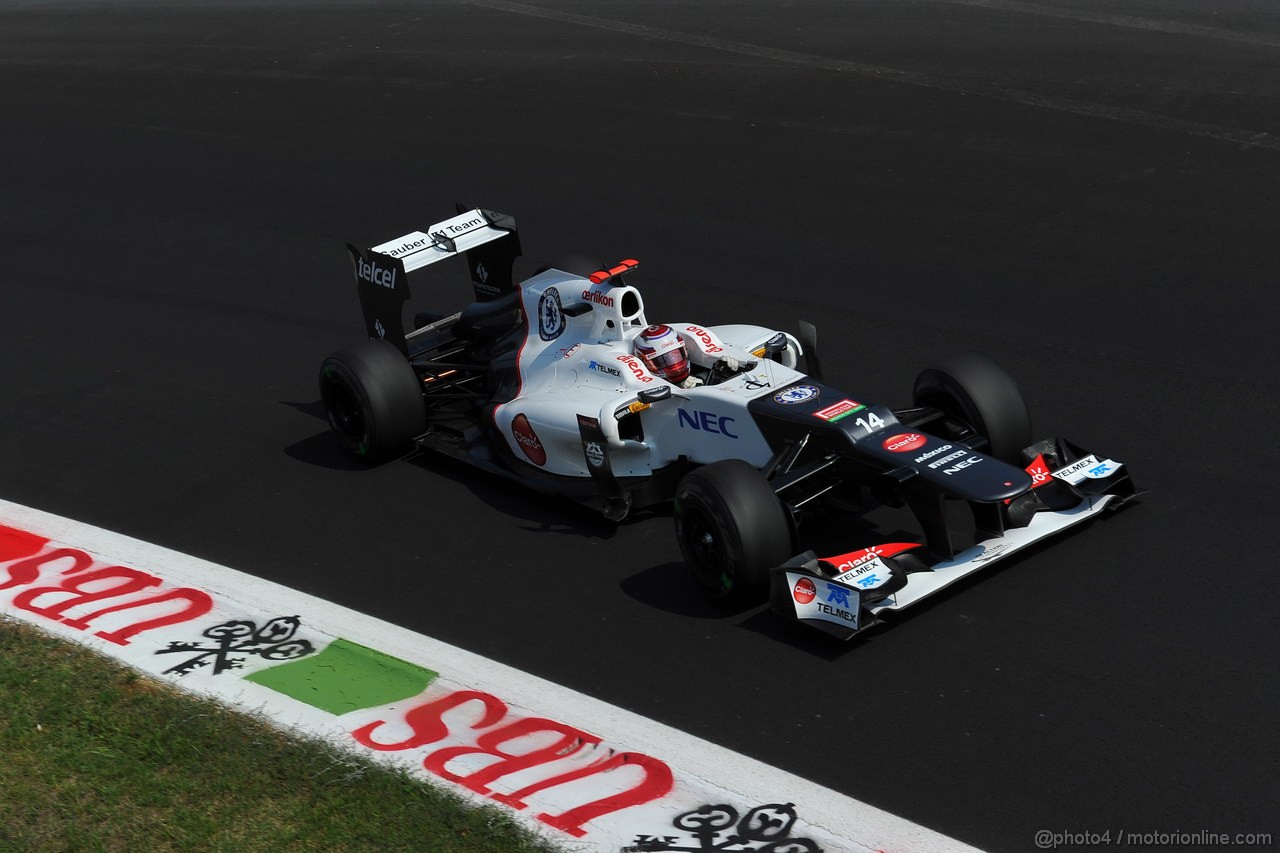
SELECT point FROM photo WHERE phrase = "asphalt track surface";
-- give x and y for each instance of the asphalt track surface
(1086, 191)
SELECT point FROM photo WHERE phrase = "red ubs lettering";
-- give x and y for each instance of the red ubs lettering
(496, 728)
(83, 583)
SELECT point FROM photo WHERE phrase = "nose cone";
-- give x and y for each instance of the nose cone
(954, 467)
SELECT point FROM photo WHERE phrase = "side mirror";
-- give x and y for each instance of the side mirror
(809, 343)
(774, 346)
(649, 396)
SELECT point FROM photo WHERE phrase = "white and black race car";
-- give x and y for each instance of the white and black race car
(538, 381)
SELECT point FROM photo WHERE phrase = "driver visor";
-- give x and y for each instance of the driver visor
(670, 358)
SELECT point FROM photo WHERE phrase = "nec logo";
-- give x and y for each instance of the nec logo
(961, 465)
(374, 274)
(706, 422)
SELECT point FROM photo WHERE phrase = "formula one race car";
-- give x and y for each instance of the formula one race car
(548, 381)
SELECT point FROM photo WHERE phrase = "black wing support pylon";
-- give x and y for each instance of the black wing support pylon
(492, 264)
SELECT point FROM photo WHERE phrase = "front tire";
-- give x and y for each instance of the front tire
(373, 399)
(732, 530)
(972, 388)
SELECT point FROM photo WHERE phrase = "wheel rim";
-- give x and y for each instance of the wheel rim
(705, 548)
(346, 415)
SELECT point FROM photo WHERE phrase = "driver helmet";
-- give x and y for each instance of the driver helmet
(663, 352)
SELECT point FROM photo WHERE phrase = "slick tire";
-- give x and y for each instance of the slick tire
(373, 399)
(732, 530)
(973, 388)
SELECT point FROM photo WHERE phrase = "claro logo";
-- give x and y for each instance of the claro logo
(524, 435)
(904, 442)
(804, 591)
(370, 271)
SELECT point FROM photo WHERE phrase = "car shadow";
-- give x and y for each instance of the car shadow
(670, 587)
(535, 511)
(765, 622)
(322, 451)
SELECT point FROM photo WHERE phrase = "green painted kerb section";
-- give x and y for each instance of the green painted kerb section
(346, 677)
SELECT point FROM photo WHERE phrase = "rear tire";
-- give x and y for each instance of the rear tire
(373, 399)
(732, 530)
(971, 387)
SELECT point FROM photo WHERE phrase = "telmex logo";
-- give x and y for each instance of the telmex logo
(375, 274)
(905, 441)
(604, 368)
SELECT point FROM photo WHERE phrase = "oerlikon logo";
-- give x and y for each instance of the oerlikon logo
(528, 440)
(904, 442)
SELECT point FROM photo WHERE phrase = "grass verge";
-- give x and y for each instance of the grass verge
(94, 756)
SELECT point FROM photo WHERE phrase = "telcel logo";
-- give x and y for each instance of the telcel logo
(375, 274)
(706, 422)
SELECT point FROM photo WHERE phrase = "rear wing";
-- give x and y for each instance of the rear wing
(489, 241)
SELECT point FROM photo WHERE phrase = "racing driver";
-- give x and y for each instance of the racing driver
(663, 351)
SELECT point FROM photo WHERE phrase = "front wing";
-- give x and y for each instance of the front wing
(844, 595)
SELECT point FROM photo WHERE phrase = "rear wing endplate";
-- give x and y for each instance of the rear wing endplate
(488, 240)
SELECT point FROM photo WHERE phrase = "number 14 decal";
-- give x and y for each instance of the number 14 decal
(871, 422)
